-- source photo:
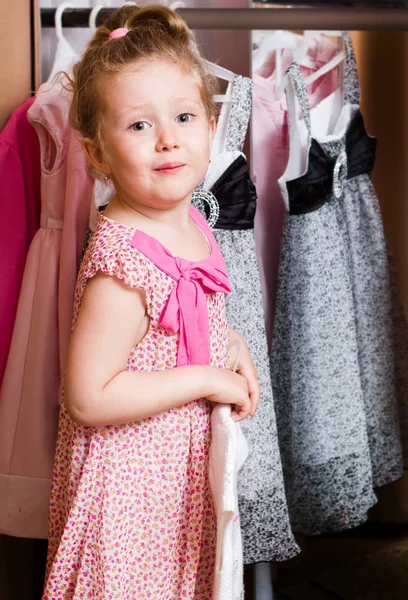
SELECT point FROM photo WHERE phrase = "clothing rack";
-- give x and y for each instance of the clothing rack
(357, 18)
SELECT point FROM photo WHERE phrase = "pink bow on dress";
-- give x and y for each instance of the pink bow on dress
(186, 311)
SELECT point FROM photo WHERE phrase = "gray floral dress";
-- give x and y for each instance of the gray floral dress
(267, 535)
(333, 357)
(372, 300)
(316, 358)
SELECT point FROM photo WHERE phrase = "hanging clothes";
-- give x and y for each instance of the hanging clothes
(29, 394)
(269, 157)
(370, 277)
(315, 365)
(262, 503)
(20, 173)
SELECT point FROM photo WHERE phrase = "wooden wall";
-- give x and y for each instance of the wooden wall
(15, 52)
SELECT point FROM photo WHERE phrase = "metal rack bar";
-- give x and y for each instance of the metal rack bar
(357, 19)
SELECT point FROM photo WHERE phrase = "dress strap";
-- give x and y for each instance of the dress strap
(296, 89)
(234, 117)
(240, 113)
(220, 135)
(351, 81)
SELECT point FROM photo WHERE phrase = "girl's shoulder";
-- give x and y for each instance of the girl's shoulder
(110, 251)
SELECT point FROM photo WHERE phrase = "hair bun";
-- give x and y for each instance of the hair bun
(160, 19)
(154, 21)
(119, 17)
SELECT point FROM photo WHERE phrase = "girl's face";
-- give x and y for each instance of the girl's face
(156, 134)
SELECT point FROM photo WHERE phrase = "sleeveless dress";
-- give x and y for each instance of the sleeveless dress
(315, 360)
(131, 514)
(266, 531)
(370, 273)
(269, 156)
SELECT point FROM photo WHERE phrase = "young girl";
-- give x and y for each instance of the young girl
(131, 515)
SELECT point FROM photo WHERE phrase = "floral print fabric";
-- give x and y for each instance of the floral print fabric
(131, 515)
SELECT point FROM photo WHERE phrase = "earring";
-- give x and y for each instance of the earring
(200, 198)
(101, 176)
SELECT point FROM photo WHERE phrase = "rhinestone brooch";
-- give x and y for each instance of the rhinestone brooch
(339, 174)
(201, 196)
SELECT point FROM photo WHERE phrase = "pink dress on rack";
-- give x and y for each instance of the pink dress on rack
(31, 384)
(20, 214)
(131, 514)
(270, 154)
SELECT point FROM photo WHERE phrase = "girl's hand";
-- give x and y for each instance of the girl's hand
(246, 368)
(230, 388)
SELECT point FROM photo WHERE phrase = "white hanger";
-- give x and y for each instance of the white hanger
(94, 14)
(308, 36)
(65, 55)
(58, 19)
(278, 40)
(227, 75)
(334, 62)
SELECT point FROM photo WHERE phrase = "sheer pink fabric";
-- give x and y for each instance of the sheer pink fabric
(29, 394)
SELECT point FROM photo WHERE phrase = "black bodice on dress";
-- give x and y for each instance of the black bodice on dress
(310, 191)
(236, 196)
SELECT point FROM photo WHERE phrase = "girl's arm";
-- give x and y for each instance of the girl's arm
(100, 391)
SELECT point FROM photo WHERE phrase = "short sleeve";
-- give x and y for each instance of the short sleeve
(49, 117)
(126, 263)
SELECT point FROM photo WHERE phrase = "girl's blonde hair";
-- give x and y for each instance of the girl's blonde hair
(154, 32)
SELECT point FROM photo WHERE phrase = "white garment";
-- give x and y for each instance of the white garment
(228, 452)
(65, 58)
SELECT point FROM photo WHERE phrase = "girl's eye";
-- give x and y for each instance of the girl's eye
(185, 117)
(139, 126)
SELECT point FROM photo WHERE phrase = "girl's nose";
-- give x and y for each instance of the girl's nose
(167, 139)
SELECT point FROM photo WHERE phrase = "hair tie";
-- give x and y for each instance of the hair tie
(118, 33)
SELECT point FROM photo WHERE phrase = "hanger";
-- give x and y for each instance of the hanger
(228, 75)
(94, 14)
(58, 19)
(65, 56)
(334, 62)
(308, 36)
(278, 40)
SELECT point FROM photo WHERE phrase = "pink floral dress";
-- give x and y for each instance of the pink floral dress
(131, 514)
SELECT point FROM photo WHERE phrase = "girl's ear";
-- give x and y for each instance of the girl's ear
(212, 128)
(95, 155)
(211, 131)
